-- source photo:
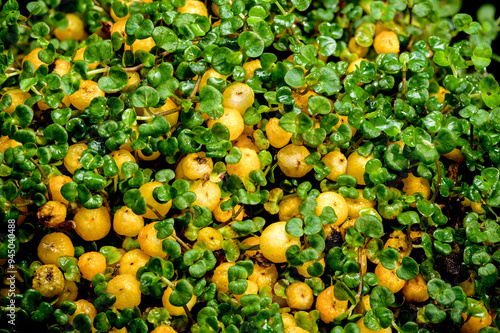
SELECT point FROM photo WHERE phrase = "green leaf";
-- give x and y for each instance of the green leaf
(144, 97)
(381, 296)
(251, 43)
(182, 293)
(295, 77)
(115, 81)
(343, 293)
(165, 39)
(301, 5)
(408, 269)
(370, 226)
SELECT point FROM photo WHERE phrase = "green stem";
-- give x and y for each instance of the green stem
(168, 282)
(434, 195)
(454, 70)
(35, 91)
(282, 10)
(99, 70)
(403, 93)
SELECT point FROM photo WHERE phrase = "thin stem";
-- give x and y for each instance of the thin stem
(133, 69)
(13, 74)
(282, 10)
(25, 26)
(404, 86)
(25, 203)
(353, 148)
(471, 134)
(180, 241)
(495, 57)
(168, 282)
(172, 130)
(292, 30)
(446, 110)
(44, 176)
(195, 89)
(36, 91)
(188, 313)
(106, 203)
(360, 259)
(97, 71)
(233, 216)
(454, 70)
(438, 167)
(155, 211)
(144, 117)
(165, 113)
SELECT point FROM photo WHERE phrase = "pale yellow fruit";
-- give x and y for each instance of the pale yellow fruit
(274, 242)
(277, 136)
(337, 162)
(74, 30)
(386, 42)
(356, 205)
(264, 275)
(299, 296)
(291, 160)
(356, 166)
(125, 287)
(238, 96)
(233, 121)
(162, 208)
(335, 201)
(207, 194)
(92, 224)
(211, 237)
(127, 223)
(194, 7)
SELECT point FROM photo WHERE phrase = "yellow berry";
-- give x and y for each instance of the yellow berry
(131, 261)
(299, 296)
(127, 223)
(18, 98)
(207, 194)
(126, 290)
(335, 201)
(92, 224)
(291, 160)
(277, 136)
(328, 306)
(386, 42)
(233, 121)
(54, 245)
(194, 7)
(274, 242)
(238, 96)
(74, 30)
(337, 162)
(356, 166)
(52, 214)
(162, 208)
(211, 237)
(48, 280)
(91, 263)
(85, 94)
